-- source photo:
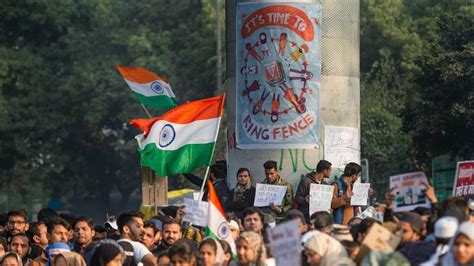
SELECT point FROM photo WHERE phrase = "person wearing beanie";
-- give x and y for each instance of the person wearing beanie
(444, 229)
(341, 232)
(461, 251)
(409, 228)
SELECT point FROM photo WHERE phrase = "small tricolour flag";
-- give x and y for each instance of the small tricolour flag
(217, 226)
(182, 139)
(150, 89)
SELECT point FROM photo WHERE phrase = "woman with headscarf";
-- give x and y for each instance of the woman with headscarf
(211, 252)
(462, 247)
(250, 249)
(107, 254)
(243, 195)
(69, 258)
(323, 250)
(11, 259)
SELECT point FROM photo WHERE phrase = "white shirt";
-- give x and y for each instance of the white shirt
(139, 250)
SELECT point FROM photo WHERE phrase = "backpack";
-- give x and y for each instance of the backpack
(128, 250)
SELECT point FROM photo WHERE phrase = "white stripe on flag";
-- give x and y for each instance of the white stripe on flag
(145, 89)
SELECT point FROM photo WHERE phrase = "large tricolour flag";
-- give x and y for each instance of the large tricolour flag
(150, 89)
(217, 226)
(182, 139)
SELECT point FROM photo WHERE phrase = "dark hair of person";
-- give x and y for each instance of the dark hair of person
(171, 221)
(127, 217)
(71, 219)
(219, 169)
(366, 224)
(459, 203)
(241, 170)
(3, 219)
(350, 246)
(352, 169)
(104, 253)
(183, 248)
(149, 224)
(3, 242)
(18, 212)
(46, 214)
(355, 231)
(270, 165)
(163, 253)
(89, 222)
(22, 235)
(34, 229)
(229, 216)
(322, 220)
(250, 211)
(208, 241)
(226, 247)
(323, 165)
(57, 221)
(100, 229)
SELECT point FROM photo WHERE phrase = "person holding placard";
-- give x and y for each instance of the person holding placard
(272, 177)
(243, 195)
(323, 170)
(341, 200)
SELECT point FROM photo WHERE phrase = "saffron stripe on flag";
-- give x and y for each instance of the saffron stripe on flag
(138, 74)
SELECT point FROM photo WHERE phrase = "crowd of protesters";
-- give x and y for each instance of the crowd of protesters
(440, 235)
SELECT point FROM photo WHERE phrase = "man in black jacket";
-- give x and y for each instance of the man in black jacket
(323, 170)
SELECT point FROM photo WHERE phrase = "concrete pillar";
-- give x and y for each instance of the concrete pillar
(339, 90)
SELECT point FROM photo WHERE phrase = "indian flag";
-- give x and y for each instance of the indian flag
(150, 89)
(217, 226)
(182, 139)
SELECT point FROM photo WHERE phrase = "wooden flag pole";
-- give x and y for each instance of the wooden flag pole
(146, 110)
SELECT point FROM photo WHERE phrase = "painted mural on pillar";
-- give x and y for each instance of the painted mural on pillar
(278, 75)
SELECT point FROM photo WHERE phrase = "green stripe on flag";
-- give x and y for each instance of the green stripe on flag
(182, 160)
(162, 102)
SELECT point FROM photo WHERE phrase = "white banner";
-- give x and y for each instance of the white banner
(320, 198)
(285, 243)
(360, 194)
(196, 211)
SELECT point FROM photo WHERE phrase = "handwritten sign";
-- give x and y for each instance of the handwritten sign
(360, 194)
(408, 190)
(285, 243)
(320, 198)
(266, 194)
(464, 179)
(341, 145)
(196, 211)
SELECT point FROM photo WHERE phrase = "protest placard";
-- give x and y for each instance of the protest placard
(378, 239)
(266, 194)
(320, 197)
(360, 194)
(285, 243)
(196, 211)
(464, 179)
(341, 145)
(409, 191)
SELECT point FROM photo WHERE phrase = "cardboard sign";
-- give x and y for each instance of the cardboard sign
(464, 179)
(408, 190)
(266, 194)
(378, 238)
(360, 194)
(285, 243)
(196, 211)
(320, 198)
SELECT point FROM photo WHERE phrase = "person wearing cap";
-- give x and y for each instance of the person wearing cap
(322, 171)
(462, 248)
(409, 229)
(341, 199)
(444, 229)
(243, 195)
(272, 177)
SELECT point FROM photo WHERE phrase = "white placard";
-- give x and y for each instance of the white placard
(196, 195)
(360, 194)
(408, 190)
(341, 145)
(196, 212)
(285, 243)
(320, 198)
(266, 194)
